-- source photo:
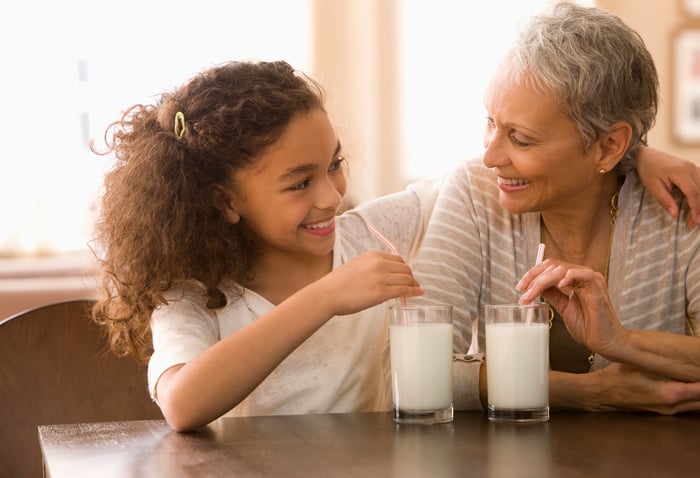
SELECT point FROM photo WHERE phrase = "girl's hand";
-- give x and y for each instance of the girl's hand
(368, 280)
(660, 172)
(581, 296)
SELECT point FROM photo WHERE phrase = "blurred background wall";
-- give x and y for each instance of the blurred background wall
(404, 80)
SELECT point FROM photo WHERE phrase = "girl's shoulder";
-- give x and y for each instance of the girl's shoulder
(400, 217)
(186, 308)
(183, 302)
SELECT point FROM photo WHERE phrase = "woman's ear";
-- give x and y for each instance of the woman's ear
(224, 201)
(613, 145)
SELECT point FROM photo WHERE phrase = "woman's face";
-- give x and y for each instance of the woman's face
(289, 199)
(536, 151)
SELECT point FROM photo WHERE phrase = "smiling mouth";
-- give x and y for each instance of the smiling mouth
(317, 226)
(513, 182)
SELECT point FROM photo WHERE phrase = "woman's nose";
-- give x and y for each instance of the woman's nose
(494, 152)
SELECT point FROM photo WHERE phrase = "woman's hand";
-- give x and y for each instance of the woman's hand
(581, 296)
(369, 279)
(626, 388)
(660, 172)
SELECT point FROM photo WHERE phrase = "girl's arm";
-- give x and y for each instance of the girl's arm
(193, 394)
(660, 172)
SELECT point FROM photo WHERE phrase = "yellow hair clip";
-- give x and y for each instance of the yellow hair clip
(180, 126)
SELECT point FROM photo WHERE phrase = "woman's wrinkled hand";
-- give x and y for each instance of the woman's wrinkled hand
(581, 296)
(625, 388)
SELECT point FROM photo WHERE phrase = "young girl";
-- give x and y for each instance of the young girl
(220, 232)
(225, 262)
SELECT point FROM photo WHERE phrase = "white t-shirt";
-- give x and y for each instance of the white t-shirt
(344, 365)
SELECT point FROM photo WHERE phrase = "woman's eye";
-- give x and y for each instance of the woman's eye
(519, 141)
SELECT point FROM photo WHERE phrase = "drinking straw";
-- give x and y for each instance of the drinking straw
(540, 256)
(383, 239)
(394, 251)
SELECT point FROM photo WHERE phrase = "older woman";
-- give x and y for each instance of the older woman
(567, 112)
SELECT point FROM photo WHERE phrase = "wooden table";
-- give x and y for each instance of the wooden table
(372, 445)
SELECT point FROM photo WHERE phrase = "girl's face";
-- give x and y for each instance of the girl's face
(289, 198)
(536, 151)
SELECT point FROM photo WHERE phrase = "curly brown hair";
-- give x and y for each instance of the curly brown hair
(159, 224)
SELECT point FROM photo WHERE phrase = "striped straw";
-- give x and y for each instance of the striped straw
(540, 256)
(394, 251)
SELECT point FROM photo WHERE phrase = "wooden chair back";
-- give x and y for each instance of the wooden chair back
(55, 368)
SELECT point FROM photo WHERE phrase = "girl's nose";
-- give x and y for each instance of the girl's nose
(330, 195)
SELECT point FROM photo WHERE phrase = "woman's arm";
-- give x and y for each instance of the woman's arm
(619, 387)
(469, 383)
(581, 297)
(660, 172)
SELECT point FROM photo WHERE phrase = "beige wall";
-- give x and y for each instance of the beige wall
(357, 63)
(29, 282)
(656, 21)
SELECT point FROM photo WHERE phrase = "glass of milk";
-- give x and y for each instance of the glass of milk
(517, 362)
(420, 339)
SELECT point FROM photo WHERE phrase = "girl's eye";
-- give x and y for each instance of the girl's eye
(300, 186)
(334, 166)
(336, 163)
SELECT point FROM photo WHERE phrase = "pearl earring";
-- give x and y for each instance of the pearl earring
(602, 171)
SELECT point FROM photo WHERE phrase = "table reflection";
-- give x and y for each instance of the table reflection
(521, 448)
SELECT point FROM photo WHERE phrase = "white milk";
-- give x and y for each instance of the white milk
(421, 366)
(517, 365)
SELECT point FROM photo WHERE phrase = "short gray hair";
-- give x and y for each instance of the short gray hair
(595, 65)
